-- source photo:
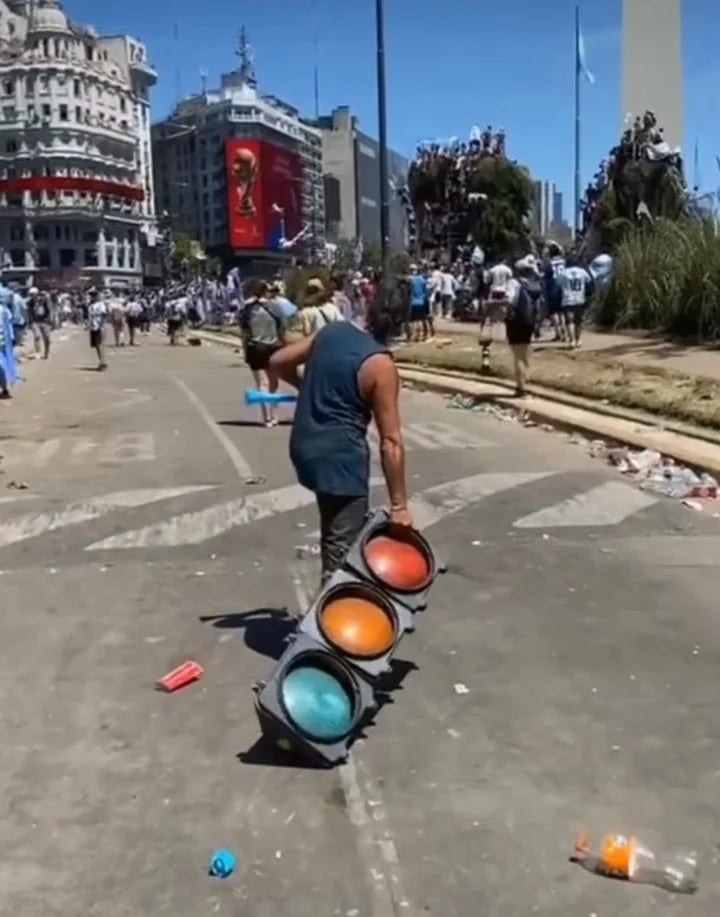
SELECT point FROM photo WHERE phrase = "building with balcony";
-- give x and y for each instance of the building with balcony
(189, 156)
(76, 193)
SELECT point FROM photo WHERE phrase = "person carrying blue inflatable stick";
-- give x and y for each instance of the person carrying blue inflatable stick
(8, 366)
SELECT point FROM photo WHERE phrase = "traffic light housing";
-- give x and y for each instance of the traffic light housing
(326, 685)
(320, 733)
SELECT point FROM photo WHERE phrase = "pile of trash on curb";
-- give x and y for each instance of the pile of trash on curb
(647, 468)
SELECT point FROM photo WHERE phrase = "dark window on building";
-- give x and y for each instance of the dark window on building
(43, 257)
(67, 257)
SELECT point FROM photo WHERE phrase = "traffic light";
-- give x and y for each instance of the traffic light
(324, 688)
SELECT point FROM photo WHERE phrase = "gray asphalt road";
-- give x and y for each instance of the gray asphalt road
(566, 670)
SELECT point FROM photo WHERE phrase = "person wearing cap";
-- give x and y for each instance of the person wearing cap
(317, 310)
(349, 379)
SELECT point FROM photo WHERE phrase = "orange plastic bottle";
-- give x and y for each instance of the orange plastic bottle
(621, 856)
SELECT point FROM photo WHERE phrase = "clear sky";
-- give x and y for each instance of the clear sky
(450, 64)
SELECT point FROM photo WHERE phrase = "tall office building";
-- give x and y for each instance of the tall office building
(240, 171)
(652, 63)
(351, 163)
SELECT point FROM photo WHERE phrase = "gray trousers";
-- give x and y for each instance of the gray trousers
(341, 519)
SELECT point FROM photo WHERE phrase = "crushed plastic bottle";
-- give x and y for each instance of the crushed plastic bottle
(621, 856)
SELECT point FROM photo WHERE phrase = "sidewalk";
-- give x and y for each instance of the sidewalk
(625, 348)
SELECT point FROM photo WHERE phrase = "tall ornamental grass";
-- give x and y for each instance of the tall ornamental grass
(666, 279)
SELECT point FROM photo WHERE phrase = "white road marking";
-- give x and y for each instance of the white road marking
(376, 845)
(432, 435)
(33, 524)
(233, 453)
(128, 447)
(607, 504)
(438, 435)
(443, 500)
(18, 497)
(194, 528)
(121, 448)
(37, 454)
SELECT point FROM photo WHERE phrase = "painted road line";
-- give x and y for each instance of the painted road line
(17, 498)
(232, 452)
(439, 435)
(607, 504)
(432, 435)
(34, 524)
(373, 834)
(435, 503)
(194, 528)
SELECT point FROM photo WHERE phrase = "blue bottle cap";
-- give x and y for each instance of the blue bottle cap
(222, 863)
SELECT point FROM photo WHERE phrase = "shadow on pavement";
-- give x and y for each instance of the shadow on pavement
(250, 423)
(266, 629)
(265, 753)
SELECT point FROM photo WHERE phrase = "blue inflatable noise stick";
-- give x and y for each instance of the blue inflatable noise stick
(254, 396)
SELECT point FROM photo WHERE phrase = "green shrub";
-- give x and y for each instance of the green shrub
(666, 279)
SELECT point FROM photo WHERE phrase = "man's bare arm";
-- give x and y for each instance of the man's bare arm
(284, 363)
(380, 386)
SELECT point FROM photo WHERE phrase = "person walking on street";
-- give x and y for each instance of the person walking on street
(318, 310)
(263, 324)
(40, 319)
(349, 379)
(97, 316)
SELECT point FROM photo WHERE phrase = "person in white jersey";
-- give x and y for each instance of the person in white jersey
(97, 316)
(498, 283)
(577, 286)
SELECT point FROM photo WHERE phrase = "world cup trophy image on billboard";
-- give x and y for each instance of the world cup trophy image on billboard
(244, 170)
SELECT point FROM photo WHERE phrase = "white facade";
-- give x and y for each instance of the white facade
(76, 193)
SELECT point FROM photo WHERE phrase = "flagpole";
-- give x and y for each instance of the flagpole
(577, 121)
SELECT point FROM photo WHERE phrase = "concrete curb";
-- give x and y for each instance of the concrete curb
(577, 401)
(686, 449)
(568, 412)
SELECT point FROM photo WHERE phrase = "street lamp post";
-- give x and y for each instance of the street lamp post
(382, 139)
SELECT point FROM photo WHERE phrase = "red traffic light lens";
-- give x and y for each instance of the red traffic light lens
(357, 621)
(397, 563)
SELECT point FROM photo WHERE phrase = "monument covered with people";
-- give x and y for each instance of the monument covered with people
(464, 193)
(642, 178)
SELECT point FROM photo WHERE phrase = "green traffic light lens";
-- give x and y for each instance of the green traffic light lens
(318, 703)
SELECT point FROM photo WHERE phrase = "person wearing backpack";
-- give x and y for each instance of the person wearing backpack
(262, 323)
(520, 316)
(317, 310)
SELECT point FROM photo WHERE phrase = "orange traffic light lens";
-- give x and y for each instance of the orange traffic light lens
(398, 564)
(356, 622)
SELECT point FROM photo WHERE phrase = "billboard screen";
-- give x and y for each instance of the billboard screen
(264, 194)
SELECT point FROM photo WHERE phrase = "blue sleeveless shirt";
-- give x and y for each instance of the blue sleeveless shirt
(328, 443)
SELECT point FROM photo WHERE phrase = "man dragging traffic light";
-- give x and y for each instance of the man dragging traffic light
(349, 378)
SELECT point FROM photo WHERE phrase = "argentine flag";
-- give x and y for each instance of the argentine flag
(582, 66)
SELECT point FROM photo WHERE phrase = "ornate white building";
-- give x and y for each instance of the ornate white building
(76, 192)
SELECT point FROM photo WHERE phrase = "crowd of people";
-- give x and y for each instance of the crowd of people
(29, 317)
(439, 188)
(555, 288)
